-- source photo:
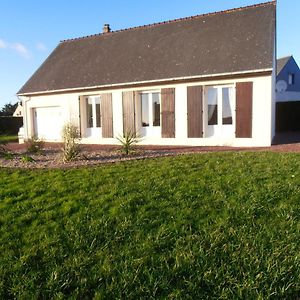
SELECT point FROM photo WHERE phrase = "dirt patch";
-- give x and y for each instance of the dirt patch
(99, 154)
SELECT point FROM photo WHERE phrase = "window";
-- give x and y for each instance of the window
(227, 106)
(145, 110)
(212, 106)
(220, 105)
(89, 110)
(155, 109)
(291, 78)
(93, 112)
(98, 115)
(150, 105)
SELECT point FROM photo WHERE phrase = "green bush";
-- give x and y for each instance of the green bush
(71, 148)
(3, 148)
(8, 155)
(10, 125)
(27, 158)
(34, 145)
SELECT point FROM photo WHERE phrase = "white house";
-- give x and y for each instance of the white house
(202, 80)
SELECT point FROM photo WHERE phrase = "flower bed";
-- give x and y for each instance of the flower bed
(52, 158)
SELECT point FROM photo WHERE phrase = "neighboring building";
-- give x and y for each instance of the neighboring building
(19, 111)
(287, 95)
(288, 80)
(202, 80)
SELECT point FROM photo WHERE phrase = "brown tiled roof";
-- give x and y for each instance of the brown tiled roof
(236, 40)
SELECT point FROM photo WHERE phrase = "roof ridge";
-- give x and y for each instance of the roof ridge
(174, 20)
(287, 56)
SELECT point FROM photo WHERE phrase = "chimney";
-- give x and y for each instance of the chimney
(106, 28)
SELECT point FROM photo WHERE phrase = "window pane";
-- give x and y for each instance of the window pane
(98, 112)
(212, 106)
(291, 79)
(227, 106)
(156, 109)
(145, 110)
(89, 112)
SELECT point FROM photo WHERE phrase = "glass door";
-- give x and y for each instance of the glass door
(220, 111)
(93, 116)
(150, 114)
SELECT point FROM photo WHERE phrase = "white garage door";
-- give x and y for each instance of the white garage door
(48, 123)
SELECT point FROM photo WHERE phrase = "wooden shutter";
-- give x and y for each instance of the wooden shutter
(244, 95)
(107, 115)
(128, 113)
(194, 112)
(168, 113)
(137, 108)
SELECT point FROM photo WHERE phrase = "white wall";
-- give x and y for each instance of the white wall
(68, 103)
(262, 113)
(287, 96)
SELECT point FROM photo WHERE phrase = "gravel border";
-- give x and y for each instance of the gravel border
(52, 159)
(93, 155)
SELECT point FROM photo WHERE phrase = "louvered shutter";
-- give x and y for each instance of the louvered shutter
(195, 112)
(128, 113)
(168, 113)
(244, 99)
(107, 115)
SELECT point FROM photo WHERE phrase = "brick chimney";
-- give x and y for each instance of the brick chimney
(106, 28)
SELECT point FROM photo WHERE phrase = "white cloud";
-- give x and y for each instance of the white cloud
(2, 44)
(41, 46)
(21, 49)
(17, 47)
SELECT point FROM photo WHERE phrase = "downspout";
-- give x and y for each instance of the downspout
(274, 80)
(79, 116)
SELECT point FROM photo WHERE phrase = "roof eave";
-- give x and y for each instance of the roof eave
(151, 82)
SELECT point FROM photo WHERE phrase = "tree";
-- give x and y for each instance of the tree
(8, 109)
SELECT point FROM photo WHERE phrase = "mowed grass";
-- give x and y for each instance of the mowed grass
(8, 139)
(203, 226)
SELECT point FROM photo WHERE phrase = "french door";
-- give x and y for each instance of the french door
(150, 114)
(220, 119)
(93, 116)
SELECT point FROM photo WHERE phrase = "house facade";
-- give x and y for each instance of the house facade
(203, 80)
(287, 95)
(288, 80)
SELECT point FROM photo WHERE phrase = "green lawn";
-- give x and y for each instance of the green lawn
(204, 226)
(8, 138)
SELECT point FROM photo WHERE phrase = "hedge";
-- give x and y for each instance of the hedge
(10, 125)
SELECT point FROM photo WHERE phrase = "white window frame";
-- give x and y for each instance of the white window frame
(219, 129)
(151, 130)
(94, 131)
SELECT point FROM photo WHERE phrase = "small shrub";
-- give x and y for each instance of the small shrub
(3, 148)
(8, 155)
(71, 148)
(27, 158)
(3, 151)
(128, 141)
(35, 145)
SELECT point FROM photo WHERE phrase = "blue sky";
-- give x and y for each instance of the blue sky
(31, 29)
